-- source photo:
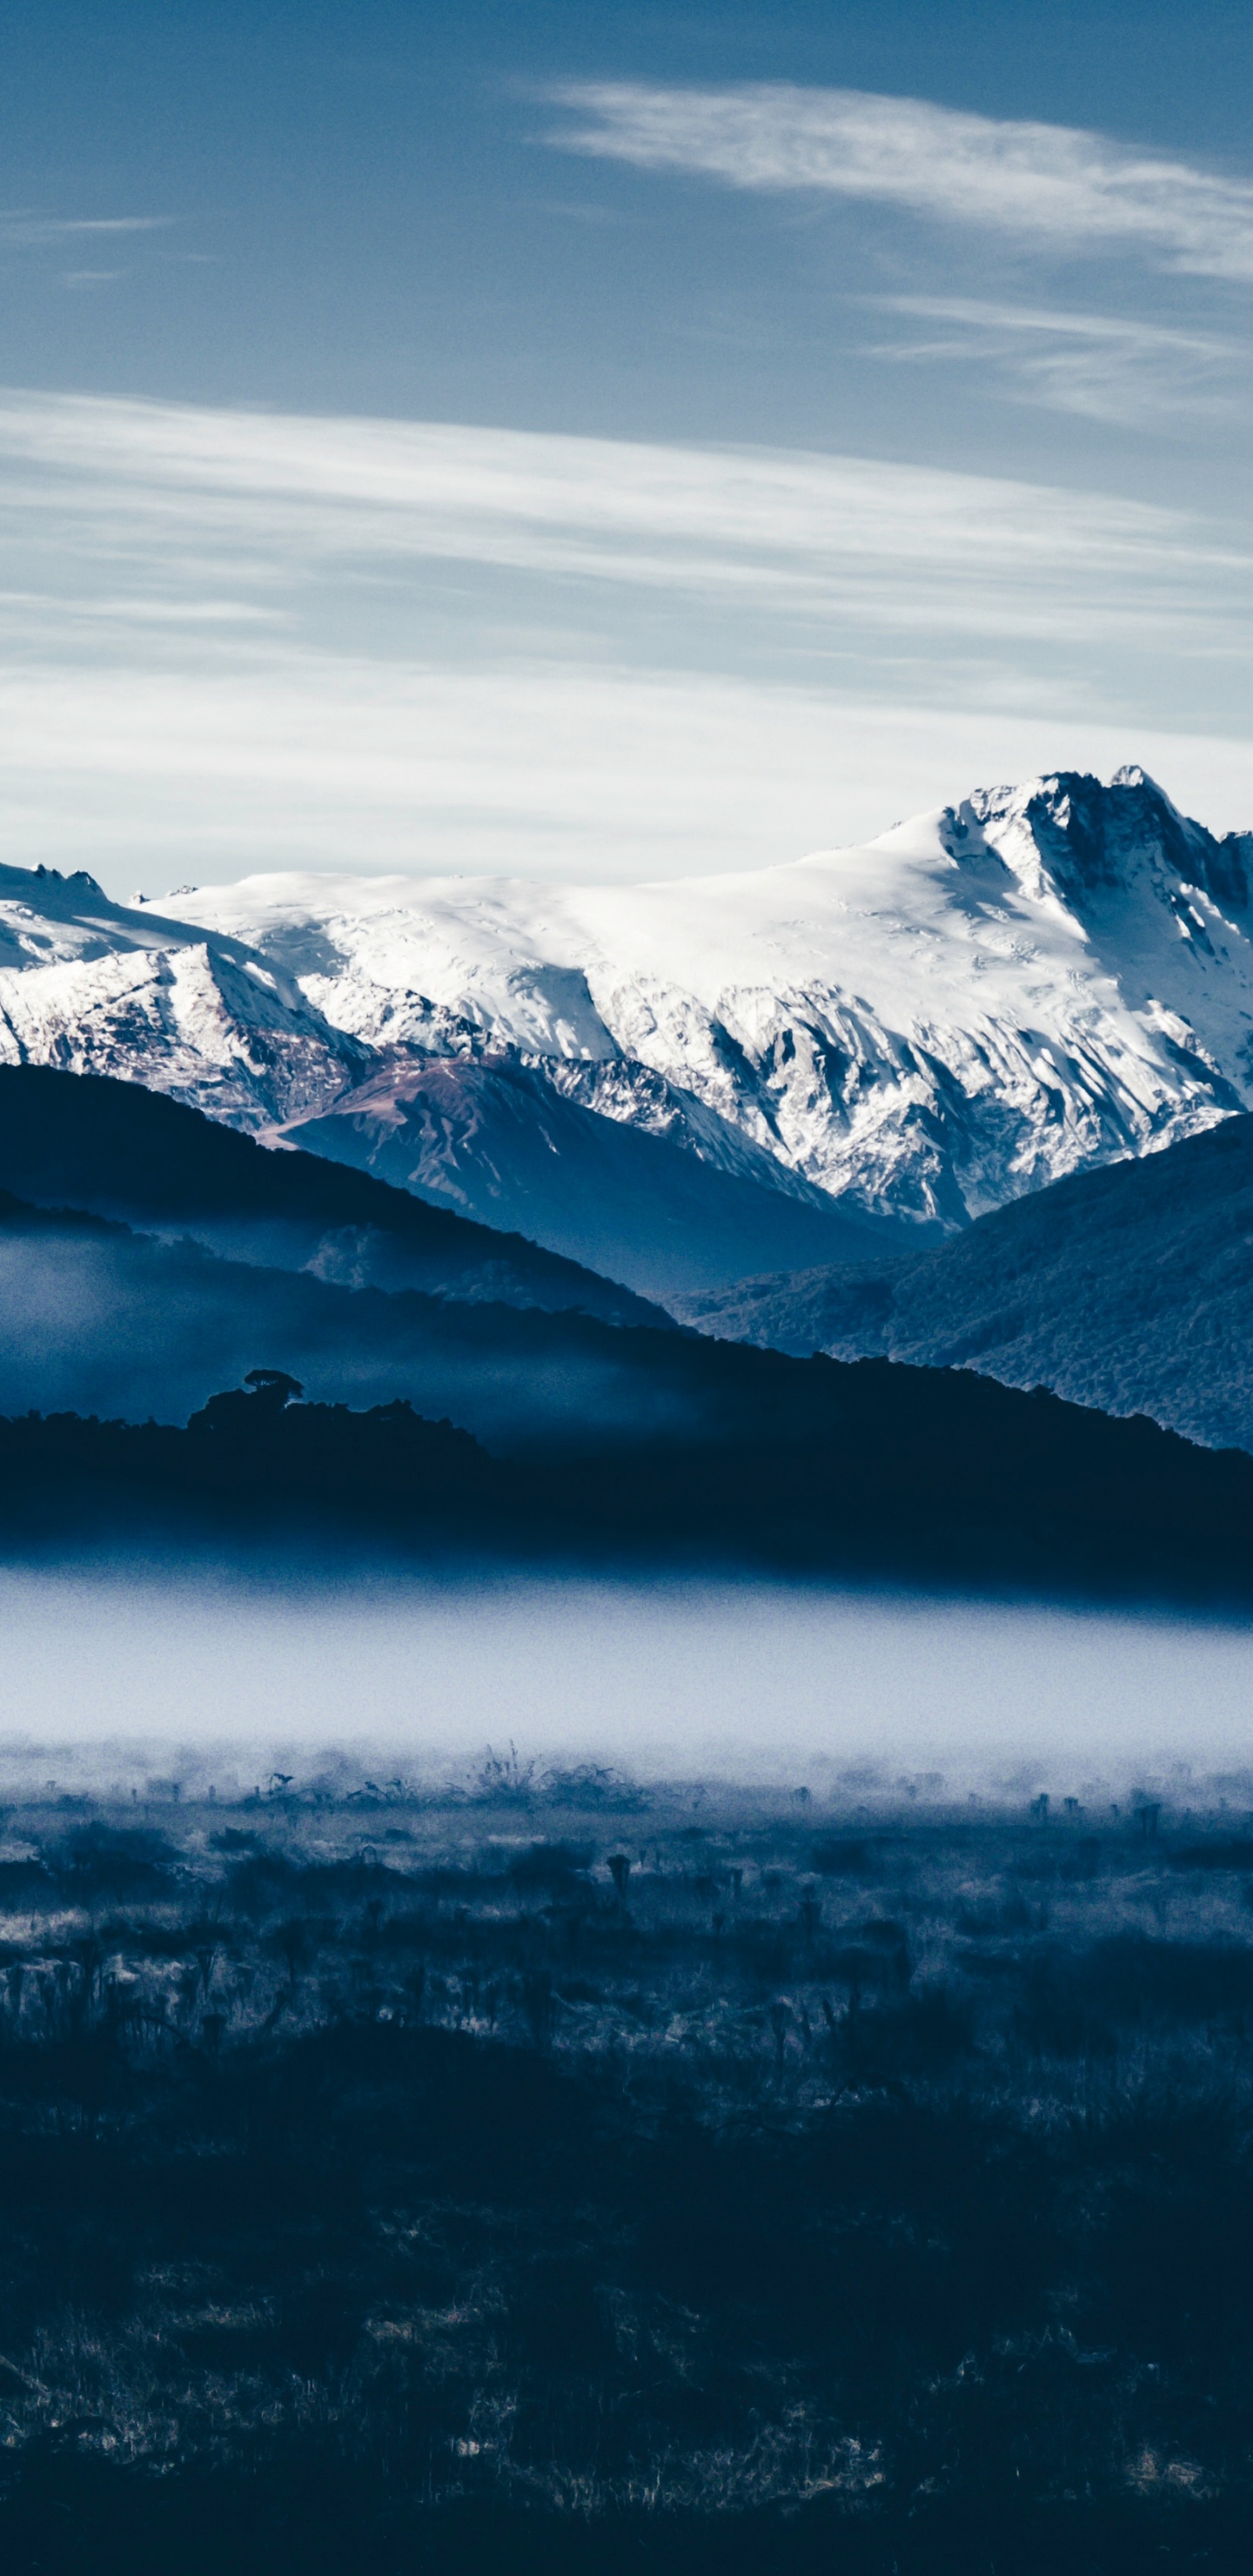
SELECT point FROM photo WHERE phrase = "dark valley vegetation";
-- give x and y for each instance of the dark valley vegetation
(551, 2173)
(722, 1455)
(112, 1149)
(1130, 1288)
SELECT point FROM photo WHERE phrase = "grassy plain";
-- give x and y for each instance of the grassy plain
(556, 2173)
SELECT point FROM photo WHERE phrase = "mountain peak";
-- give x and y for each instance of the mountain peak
(1069, 838)
(1132, 774)
(1043, 977)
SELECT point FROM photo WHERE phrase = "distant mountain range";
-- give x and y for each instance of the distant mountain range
(1130, 1289)
(682, 1083)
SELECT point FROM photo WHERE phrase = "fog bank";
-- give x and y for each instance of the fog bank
(117, 1668)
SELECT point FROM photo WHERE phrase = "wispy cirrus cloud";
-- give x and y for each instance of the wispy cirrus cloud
(1103, 366)
(773, 533)
(235, 639)
(1058, 186)
(24, 229)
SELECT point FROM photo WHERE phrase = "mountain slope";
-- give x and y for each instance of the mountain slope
(116, 1150)
(1129, 1288)
(99, 1319)
(101, 987)
(973, 1005)
(501, 1142)
(632, 1176)
(1039, 980)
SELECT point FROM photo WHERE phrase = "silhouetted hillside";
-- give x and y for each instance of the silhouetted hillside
(754, 1459)
(114, 1149)
(617, 1434)
(97, 1319)
(1129, 1288)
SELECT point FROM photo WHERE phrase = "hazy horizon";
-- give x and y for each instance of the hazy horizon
(784, 1683)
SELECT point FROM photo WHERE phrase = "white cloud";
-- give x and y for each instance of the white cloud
(1058, 185)
(51, 611)
(778, 534)
(235, 640)
(1098, 327)
(1101, 366)
(154, 776)
(32, 230)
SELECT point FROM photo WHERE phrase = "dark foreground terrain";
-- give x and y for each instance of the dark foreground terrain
(722, 1456)
(547, 2174)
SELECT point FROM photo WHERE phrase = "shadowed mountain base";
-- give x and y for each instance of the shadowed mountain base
(1130, 1288)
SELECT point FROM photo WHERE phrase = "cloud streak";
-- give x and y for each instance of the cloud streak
(786, 534)
(1057, 186)
(33, 231)
(232, 640)
(1100, 366)
(152, 774)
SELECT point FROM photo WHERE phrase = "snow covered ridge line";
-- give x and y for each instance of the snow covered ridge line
(1041, 978)
(100, 987)
(980, 1000)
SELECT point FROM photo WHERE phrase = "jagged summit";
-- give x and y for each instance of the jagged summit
(1041, 978)
(1085, 839)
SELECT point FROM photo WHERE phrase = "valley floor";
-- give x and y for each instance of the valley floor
(559, 2173)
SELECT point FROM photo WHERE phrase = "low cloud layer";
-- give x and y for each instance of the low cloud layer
(666, 1680)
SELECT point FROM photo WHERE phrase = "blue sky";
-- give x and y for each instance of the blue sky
(610, 440)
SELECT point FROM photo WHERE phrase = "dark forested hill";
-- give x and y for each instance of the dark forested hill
(97, 1318)
(724, 1454)
(85, 1141)
(1129, 1288)
(597, 1431)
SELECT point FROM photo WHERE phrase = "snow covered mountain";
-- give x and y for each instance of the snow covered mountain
(977, 1003)
(101, 987)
